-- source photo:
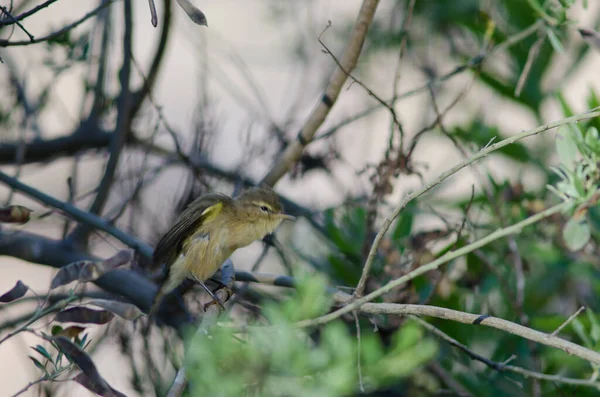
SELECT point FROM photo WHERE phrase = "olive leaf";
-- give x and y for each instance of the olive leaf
(15, 214)
(89, 270)
(194, 13)
(576, 233)
(124, 310)
(90, 378)
(15, 292)
(84, 315)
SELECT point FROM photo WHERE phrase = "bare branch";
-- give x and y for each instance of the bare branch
(80, 234)
(78, 215)
(332, 91)
(7, 43)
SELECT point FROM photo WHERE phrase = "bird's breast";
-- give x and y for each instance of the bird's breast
(204, 254)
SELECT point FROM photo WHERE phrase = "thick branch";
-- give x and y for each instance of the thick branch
(488, 321)
(44, 150)
(127, 284)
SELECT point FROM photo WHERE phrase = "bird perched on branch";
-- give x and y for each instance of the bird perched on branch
(208, 231)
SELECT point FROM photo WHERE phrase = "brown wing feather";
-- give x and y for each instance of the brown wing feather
(169, 246)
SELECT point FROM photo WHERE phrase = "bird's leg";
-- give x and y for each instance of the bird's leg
(215, 299)
(220, 286)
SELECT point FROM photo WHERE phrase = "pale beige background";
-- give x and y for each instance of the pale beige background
(244, 29)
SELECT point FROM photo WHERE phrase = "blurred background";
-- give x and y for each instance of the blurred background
(223, 101)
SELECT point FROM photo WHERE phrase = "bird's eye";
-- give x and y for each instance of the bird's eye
(264, 208)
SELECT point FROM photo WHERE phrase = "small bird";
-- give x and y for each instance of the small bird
(208, 231)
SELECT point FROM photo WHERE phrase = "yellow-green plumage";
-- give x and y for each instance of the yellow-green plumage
(209, 230)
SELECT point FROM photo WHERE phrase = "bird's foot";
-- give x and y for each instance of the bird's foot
(215, 298)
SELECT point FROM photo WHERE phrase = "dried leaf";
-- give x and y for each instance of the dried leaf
(92, 380)
(15, 293)
(121, 258)
(95, 387)
(84, 315)
(194, 13)
(82, 271)
(591, 37)
(124, 310)
(15, 214)
(69, 332)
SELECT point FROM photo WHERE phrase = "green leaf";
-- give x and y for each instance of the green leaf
(558, 47)
(566, 147)
(579, 329)
(405, 221)
(38, 364)
(594, 217)
(576, 233)
(595, 327)
(40, 349)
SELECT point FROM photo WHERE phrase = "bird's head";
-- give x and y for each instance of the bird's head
(261, 207)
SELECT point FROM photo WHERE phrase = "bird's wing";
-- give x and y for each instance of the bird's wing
(201, 209)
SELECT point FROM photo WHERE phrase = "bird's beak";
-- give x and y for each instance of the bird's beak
(287, 217)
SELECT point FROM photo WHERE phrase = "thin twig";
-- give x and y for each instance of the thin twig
(451, 255)
(16, 22)
(503, 366)
(25, 14)
(445, 175)
(568, 321)
(58, 33)
(533, 51)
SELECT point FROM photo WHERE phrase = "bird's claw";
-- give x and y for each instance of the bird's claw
(215, 299)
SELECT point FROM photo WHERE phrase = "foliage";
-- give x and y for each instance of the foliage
(278, 359)
(514, 56)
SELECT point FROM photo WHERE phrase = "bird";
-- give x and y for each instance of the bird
(208, 231)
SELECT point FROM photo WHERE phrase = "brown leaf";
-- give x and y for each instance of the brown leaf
(121, 258)
(15, 214)
(15, 293)
(82, 271)
(194, 13)
(96, 387)
(92, 377)
(84, 315)
(124, 310)
(591, 37)
(71, 332)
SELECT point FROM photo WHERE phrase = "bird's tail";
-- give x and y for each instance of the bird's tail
(156, 302)
(172, 281)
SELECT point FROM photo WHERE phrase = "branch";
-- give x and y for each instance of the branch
(25, 14)
(447, 174)
(78, 215)
(488, 321)
(502, 367)
(80, 234)
(44, 150)
(132, 286)
(450, 255)
(348, 62)
(60, 32)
